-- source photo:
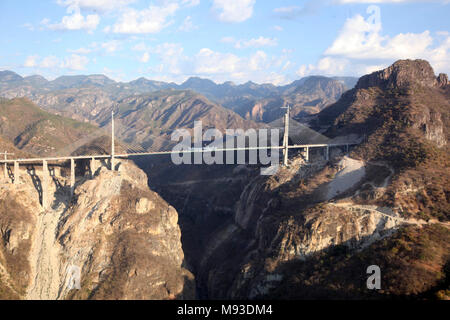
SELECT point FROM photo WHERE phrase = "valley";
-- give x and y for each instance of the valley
(309, 231)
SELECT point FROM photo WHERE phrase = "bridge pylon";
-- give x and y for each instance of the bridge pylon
(113, 164)
(286, 136)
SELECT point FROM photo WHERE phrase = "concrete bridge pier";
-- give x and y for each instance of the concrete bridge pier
(72, 176)
(93, 167)
(16, 172)
(113, 163)
(5, 171)
(307, 154)
(327, 154)
(45, 185)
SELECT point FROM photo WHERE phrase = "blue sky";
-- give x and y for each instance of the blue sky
(238, 40)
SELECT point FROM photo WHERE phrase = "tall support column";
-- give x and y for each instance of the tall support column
(16, 172)
(45, 185)
(346, 148)
(72, 176)
(5, 168)
(113, 164)
(307, 154)
(327, 156)
(286, 138)
(92, 167)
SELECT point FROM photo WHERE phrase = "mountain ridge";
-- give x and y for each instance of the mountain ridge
(36, 131)
(241, 98)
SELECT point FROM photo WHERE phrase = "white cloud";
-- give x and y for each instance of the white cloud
(256, 43)
(172, 58)
(361, 48)
(208, 61)
(50, 62)
(234, 10)
(141, 47)
(275, 78)
(228, 40)
(30, 61)
(108, 47)
(278, 28)
(258, 61)
(226, 66)
(75, 62)
(387, 1)
(97, 5)
(252, 43)
(176, 66)
(28, 26)
(360, 39)
(45, 21)
(72, 62)
(150, 20)
(190, 3)
(75, 21)
(286, 9)
(80, 50)
(187, 25)
(293, 12)
(111, 46)
(145, 57)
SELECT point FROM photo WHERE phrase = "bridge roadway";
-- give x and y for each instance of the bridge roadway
(203, 150)
(93, 158)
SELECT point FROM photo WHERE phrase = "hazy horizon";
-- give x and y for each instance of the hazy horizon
(177, 83)
(238, 41)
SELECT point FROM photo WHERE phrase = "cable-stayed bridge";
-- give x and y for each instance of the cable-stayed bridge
(292, 131)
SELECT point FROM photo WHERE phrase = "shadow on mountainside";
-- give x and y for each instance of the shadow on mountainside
(414, 264)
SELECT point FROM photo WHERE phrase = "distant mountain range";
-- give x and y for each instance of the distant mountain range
(83, 97)
(147, 111)
(143, 122)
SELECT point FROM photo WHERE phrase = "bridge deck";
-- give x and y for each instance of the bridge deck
(203, 150)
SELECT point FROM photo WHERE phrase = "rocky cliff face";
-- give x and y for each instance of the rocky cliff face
(283, 219)
(403, 73)
(311, 230)
(123, 238)
(404, 113)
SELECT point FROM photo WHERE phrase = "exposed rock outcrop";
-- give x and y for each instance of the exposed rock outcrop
(274, 227)
(442, 80)
(402, 73)
(122, 237)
